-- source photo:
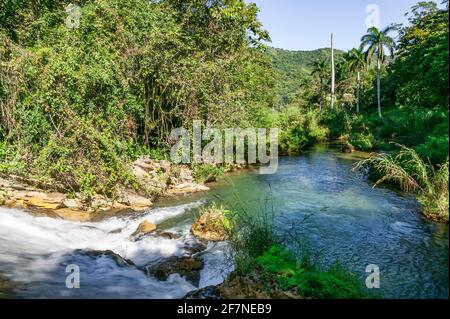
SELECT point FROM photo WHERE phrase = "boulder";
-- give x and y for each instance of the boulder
(136, 202)
(211, 225)
(144, 228)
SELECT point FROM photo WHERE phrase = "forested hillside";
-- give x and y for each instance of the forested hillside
(294, 70)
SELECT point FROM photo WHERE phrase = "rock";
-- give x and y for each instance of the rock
(188, 267)
(348, 148)
(72, 203)
(144, 228)
(185, 175)
(251, 287)
(136, 202)
(120, 261)
(194, 248)
(166, 234)
(211, 226)
(187, 188)
(73, 214)
(209, 292)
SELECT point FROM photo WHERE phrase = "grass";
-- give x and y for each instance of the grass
(280, 267)
(409, 171)
(261, 257)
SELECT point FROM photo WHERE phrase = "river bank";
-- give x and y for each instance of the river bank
(317, 198)
(159, 176)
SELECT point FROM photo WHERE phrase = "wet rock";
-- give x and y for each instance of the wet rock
(144, 228)
(188, 267)
(209, 292)
(194, 248)
(166, 234)
(120, 261)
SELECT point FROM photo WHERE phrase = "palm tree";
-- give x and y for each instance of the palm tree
(356, 63)
(375, 43)
(320, 69)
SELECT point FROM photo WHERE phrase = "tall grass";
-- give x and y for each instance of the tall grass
(413, 174)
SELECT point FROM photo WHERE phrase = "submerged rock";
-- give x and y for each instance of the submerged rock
(188, 267)
(120, 261)
(209, 292)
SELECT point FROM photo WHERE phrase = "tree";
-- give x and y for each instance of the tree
(333, 74)
(376, 43)
(320, 69)
(356, 63)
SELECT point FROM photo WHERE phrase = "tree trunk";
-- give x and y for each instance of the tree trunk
(358, 87)
(379, 86)
(332, 73)
(321, 95)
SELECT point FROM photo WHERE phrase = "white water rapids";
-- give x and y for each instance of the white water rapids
(34, 253)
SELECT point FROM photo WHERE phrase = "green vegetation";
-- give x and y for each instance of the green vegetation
(409, 171)
(281, 268)
(260, 254)
(78, 104)
(408, 77)
(206, 173)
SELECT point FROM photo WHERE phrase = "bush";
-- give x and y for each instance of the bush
(10, 161)
(435, 148)
(206, 173)
(362, 141)
(299, 130)
(85, 160)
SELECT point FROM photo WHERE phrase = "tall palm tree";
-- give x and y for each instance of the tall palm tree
(376, 43)
(356, 63)
(320, 69)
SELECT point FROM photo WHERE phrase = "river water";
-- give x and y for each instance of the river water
(317, 200)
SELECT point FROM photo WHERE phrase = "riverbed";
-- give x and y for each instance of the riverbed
(319, 205)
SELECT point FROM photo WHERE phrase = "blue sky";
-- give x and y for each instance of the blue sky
(307, 24)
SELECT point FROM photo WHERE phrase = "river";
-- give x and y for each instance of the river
(317, 199)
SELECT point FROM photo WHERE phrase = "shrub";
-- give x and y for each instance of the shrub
(435, 148)
(299, 130)
(362, 141)
(206, 173)
(10, 161)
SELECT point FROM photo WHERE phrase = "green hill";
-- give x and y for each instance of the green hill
(294, 68)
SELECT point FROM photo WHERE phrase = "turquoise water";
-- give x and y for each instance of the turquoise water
(319, 205)
(337, 215)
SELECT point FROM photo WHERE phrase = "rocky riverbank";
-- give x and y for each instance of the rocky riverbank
(159, 176)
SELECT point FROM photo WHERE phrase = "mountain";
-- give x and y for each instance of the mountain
(293, 67)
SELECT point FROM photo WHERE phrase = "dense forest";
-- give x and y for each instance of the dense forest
(77, 104)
